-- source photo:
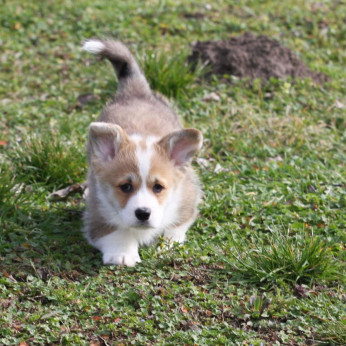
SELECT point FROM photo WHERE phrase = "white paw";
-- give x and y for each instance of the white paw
(126, 259)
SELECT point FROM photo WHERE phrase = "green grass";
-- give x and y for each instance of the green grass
(170, 75)
(48, 160)
(264, 262)
(283, 257)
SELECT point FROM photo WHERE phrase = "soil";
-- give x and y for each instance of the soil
(252, 57)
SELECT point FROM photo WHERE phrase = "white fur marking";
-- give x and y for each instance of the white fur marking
(144, 155)
(144, 198)
(144, 161)
(93, 46)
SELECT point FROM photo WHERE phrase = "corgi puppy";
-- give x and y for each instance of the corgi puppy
(141, 184)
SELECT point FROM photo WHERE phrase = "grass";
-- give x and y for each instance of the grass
(170, 75)
(264, 262)
(284, 257)
(48, 160)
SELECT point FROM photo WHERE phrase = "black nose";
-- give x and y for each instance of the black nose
(142, 214)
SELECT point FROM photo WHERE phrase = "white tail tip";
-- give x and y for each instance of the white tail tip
(93, 46)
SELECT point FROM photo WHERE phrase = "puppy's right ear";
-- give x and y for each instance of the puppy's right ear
(105, 140)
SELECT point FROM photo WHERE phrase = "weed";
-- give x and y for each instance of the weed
(286, 257)
(333, 332)
(48, 160)
(170, 75)
(13, 194)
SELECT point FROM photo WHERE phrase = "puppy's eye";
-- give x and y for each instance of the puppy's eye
(127, 188)
(157, 188)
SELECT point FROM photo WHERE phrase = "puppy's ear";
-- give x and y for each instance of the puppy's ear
(181, 145)
(105, 140)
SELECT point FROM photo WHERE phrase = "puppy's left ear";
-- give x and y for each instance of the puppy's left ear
(180, 146)
(105, 140)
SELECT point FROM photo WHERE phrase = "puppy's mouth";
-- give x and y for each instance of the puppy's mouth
(143, 224)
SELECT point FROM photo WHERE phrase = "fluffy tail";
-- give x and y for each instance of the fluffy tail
(132, 82)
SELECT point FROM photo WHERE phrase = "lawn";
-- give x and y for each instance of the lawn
(264, 262)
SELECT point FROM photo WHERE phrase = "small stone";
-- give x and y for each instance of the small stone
(211, 97)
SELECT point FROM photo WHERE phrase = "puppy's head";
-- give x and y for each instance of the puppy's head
(137, 178)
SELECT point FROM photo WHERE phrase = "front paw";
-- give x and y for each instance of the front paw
(125, 259)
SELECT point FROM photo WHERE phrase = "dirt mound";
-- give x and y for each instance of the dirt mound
(252, 57)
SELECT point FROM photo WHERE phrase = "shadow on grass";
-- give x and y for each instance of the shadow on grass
(45, 243)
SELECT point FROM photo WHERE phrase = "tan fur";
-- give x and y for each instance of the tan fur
(191, 197)
(148, 116)
(122, 169)
(97, 227)
(162, 172)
